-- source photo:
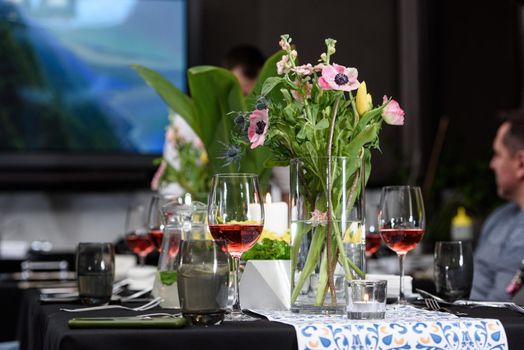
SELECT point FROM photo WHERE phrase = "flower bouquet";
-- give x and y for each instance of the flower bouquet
(309, 118)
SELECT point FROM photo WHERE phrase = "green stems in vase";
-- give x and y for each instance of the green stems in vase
(315, 261)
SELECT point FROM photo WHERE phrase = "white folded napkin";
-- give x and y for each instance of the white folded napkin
(393, 286)
(141, 277)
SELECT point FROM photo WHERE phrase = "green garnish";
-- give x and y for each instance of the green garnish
(268, 249)
(168, 277)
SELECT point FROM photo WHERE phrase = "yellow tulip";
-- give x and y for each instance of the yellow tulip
(203, 158)
(363, 99)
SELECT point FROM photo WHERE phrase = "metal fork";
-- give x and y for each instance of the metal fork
(433, 305)
(153, 303)
(515, 307)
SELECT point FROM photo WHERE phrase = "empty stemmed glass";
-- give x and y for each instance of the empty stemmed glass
(236, 216)
(402, 222)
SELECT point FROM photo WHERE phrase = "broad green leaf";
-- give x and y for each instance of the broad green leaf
(272, 163)
(270, 84)
(215, 93)
(369, 134)
(367, 117)
(323, 124)
(268, 70)
(172, 96)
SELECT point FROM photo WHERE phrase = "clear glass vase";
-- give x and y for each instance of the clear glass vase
(327, 231)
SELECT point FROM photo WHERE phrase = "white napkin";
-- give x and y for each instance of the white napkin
(141, 277)
(123, 263)
(394, 284)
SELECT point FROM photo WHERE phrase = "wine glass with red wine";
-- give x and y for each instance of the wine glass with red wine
(155, 221)
(402, 222)
(236, 216)
(136, 233)
(373, 243)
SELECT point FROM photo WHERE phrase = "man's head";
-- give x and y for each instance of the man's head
(508, 158)
(245, 62)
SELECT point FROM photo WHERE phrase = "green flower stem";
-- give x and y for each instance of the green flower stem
(354, 107)
(322, 279)
(295, 247)
(347, 263)
(329, 187)
(311, 261)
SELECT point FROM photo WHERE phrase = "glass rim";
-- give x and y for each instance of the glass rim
(323, 157)
(451, 242)
(368, 282)
(94, 243)
(235, 175)
(399, 187)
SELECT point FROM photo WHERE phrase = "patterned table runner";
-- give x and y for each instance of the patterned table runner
(404, 327)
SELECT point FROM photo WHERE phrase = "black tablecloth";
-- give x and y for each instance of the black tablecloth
(45, 327)
(10, 298)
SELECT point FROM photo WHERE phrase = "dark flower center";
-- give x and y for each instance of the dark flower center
(261, 103)
(239, 119)
(341, 79)
(231, 152)
(260, 127)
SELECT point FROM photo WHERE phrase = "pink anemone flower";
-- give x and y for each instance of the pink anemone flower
(337, 77)
(257, 130)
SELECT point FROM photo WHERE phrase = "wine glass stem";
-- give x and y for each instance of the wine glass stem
(236, 301)
(401, 296)
(142, 260)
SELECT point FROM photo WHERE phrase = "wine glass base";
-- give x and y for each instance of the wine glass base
(238, 316)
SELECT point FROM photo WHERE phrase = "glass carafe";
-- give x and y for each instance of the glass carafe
(182, 222)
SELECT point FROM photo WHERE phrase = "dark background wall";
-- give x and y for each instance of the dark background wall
(366, 32)
(469, 63)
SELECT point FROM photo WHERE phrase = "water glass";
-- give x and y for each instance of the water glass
(453, 269)
(366, 299)
(203, 280)
(95, 268)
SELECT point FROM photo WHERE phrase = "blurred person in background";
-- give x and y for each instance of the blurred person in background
(245, 62)
(501, 245)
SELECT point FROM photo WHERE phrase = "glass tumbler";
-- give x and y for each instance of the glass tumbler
(95, 269)
(453, 269)
(203, 280)
(366, 299)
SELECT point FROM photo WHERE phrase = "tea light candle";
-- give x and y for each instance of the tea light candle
(275, 215)
(365, 305)
(366, 299)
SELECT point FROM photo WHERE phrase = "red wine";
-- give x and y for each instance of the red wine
(139, 244)
(373, 242)
(401, 240)
(156, 235)
(174, 245)
(238, 237)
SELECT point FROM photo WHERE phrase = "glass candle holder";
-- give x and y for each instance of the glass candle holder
(366, 299)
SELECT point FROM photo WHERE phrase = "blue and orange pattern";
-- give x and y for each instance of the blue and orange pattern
(404, 328)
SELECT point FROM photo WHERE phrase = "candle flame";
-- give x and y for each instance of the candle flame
(268, 198)
(366, 298)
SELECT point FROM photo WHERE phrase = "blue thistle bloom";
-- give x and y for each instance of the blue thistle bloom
(232, 154)
(261, 103)
(239, 120)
